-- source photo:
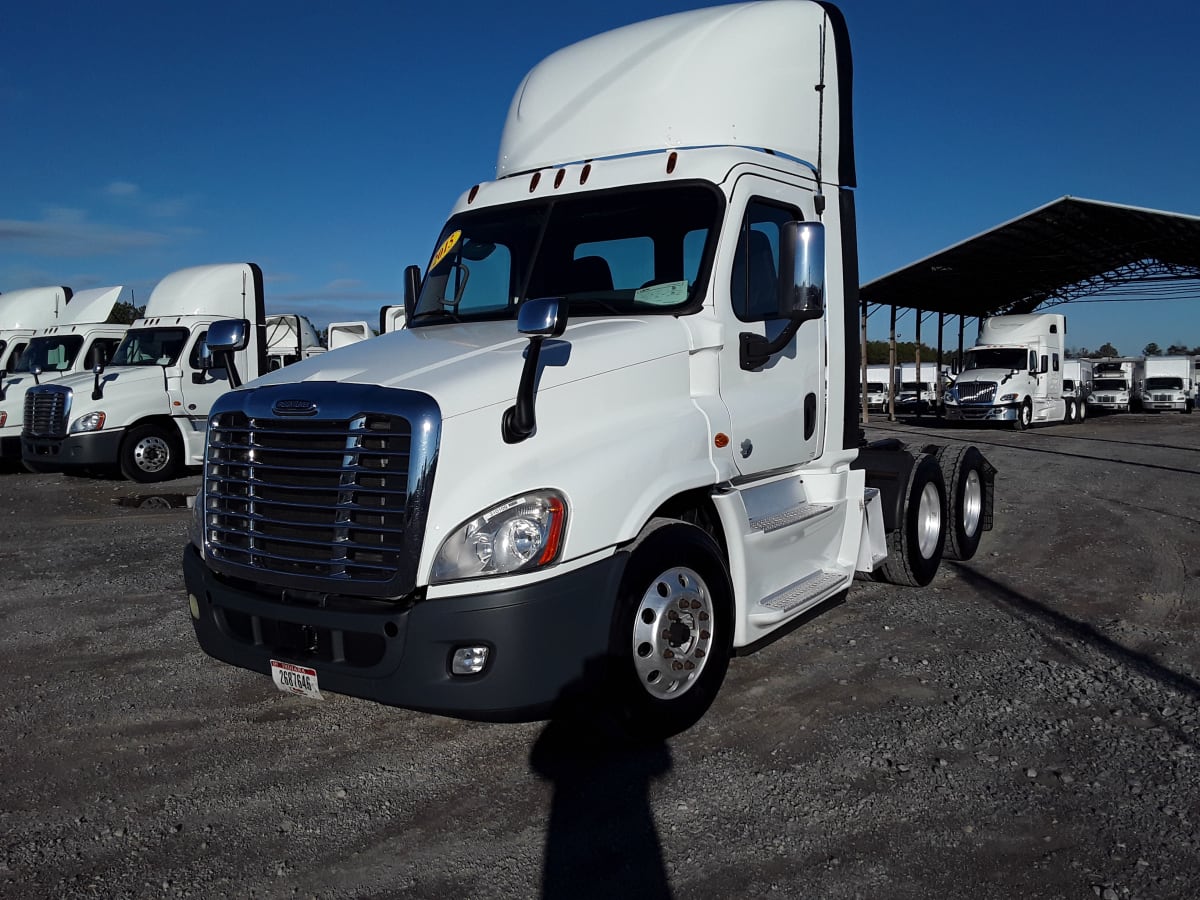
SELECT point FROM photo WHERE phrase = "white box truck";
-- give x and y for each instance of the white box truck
(1077, 384)
(145, 410)
(617, 441)
(81, 337)
(1014, 373)
(1170, 384)
(917, 394)
(880, 380)
(1116, 383)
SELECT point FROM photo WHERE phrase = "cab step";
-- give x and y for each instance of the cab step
(805, 593)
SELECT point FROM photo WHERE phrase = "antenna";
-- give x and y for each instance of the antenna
(819, 198)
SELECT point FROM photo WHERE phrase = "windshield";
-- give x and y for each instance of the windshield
(996, 358)
(1164, 383)
(1109, 384)
(607, 252)
(875, 387)
(150, 347)
(50, 354)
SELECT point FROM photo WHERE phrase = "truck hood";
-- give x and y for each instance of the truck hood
(122, 375)
(996, 376)
(470, 366)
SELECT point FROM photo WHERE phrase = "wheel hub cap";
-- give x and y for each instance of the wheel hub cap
(672, 632)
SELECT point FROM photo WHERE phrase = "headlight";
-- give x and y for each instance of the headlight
(520, 534)
(951, 395)
(1008, 398)
(93, 421)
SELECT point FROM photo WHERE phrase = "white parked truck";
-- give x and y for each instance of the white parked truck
(917, 393)
(1116, 383)
(1170, 384)
(81, 337)
(880, 380)
(22, 313)
(1014, 373)
(290, 338)
(617, 441)
(145, 410)
(1077, 384)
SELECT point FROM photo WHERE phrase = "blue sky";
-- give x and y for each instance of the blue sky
(327, 142)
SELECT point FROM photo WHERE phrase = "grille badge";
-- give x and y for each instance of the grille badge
(294, 408)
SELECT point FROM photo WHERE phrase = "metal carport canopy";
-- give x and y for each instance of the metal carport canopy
(1059, 252)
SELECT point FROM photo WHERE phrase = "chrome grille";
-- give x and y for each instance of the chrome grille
(46, 410)
(331, 504)
(976, 391)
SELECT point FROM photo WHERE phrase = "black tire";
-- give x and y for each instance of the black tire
(674, 584)
(1024, 416)
(1072, 411)
(1081, 412)
(966, 486)
(150, 453)
(915, 548)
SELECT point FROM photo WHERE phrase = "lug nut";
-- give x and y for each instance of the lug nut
(699, 653)
(704, 635)
(689, 665)
(677, 665)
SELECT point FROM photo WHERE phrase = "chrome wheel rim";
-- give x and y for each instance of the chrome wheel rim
(673, 633)
(972, 503)
(929, 520)
(151, 454)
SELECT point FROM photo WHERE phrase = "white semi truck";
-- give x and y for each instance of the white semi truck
(1014, 373)
(617, 441)
(144, 411)
(1116, 383)
(81, 337)
(1170, 384)
(917, 393)
(22, 313)
(290, 338)
(880, 380)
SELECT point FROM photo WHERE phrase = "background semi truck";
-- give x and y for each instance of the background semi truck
(146, 410)
(617, 441)
(80, 337)
(1170, 384)
(918, 389)
(1014, 373)
(1116, 383)
(22, 313)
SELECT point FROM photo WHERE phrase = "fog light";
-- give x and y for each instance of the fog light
(469, 660)
(194, 606)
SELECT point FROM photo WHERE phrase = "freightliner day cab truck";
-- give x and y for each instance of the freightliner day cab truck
(290, 338)
(80, 337)
(1115, 384)
(22, 313)
(1170, 384)
(1014, 374)
(617, 441)
(145, 410)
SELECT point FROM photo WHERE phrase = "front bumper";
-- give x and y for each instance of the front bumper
(1165, 405)
(92, 448)
(967, 413)
(547, 641)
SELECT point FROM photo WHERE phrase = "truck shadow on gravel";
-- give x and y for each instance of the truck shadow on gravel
(601, 840)
(1055, 626)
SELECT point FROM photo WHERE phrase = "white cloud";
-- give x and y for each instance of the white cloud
(65, 232)
(121, 189)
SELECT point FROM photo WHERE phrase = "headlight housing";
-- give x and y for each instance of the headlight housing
(520, 534)
(1008, 398)
(92, 421)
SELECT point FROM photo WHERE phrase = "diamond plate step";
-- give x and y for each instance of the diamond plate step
(791, 517)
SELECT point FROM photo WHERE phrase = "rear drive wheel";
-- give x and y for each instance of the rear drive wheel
(1024, 416)
(963, 471)
(150, 453)
(915, 548)
(1082, 411)
(674, 631)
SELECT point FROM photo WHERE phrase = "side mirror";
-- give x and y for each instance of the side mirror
(538, 319)
(802, 271)
(412, 287)
(542, 318)
(225, 338)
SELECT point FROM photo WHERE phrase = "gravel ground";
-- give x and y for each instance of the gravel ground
(1029, 725)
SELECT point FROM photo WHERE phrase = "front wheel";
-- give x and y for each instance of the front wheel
(1071, 411)
(674, 632)
(1024, 416)
(150, 453)
(1082, 412)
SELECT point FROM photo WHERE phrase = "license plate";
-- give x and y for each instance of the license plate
(293, 679)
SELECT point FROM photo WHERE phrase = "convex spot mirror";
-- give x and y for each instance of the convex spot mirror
(802, 271)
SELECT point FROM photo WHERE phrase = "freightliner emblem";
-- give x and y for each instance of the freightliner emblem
(294, 408)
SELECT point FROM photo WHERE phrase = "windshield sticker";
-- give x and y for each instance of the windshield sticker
(662, 294)
(444, 250)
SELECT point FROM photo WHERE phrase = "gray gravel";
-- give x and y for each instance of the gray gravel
(1027, 726)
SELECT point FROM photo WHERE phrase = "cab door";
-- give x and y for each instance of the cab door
(776, 411)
